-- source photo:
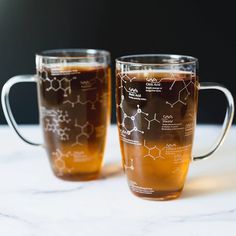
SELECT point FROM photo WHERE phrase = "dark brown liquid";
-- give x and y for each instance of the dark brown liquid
(75, 112)
(156, 117)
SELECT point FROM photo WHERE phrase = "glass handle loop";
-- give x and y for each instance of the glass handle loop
(228, 117)
(6, 103)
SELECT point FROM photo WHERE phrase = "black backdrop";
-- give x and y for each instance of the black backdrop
(122, 27)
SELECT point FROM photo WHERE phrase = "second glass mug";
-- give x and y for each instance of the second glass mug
(156, 102)
(74, 94)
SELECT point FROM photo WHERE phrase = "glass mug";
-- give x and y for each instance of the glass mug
(74, 94)
(156, 102)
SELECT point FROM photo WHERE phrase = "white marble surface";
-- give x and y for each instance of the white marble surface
(34, 202)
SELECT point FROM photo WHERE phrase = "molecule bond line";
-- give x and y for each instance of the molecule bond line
(130, 166)
(152, 120)
(123, 80)
(59, 84)
(85, 131)
(83, 102)
(151, 150)
(131, 118)
(181, 100)
(54, 120)
(59, 162)
(54, 127)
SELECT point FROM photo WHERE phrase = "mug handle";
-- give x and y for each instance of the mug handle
(228, 116)
(6, 104)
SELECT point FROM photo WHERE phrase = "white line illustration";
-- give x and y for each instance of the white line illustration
(54, 120)
(129, 166)
(88, 84)
(184, 89)
(83, 102)
(152, 120)
(154, 80)
(123, 80)
(99, 78)
(131, 118)
(54, 127)
(85, 131)
(154, 152)
(60, 115)
(56, 84)
(59, 162)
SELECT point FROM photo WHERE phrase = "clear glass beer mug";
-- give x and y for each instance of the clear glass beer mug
(156, 102)
(74, 105)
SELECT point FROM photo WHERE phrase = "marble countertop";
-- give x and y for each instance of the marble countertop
(34, 202)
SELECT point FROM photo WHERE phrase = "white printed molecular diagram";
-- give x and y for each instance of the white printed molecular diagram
(153, 152)
(54, 119)
(123, 80)
(59, 162)
(184, 89)
(86, 84)
(152, 120)
(56, 84)
(79, 101)
(90, 83)
(132, 118)
(54, 127)
(99, 78)
(60, 115)
(131, 166)
(154, 80)
(85, 131)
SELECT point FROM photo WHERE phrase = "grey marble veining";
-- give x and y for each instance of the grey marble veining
(34, 202)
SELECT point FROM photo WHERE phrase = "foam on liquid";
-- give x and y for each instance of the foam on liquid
(160, 74)
(74, 67)
(147, 72)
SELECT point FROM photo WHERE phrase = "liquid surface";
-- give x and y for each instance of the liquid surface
(156, 119)
(75, 112)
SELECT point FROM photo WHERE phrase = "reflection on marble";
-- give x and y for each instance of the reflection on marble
(34, 202)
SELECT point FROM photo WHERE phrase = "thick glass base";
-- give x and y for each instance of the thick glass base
(79, 176)
(159, 195)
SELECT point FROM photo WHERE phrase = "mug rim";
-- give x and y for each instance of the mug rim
(181, 59)
(95, 53)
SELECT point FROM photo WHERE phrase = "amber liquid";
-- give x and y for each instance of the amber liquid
(156, 114)
(74, 106)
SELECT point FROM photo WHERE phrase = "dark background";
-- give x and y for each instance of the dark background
(122, 27)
